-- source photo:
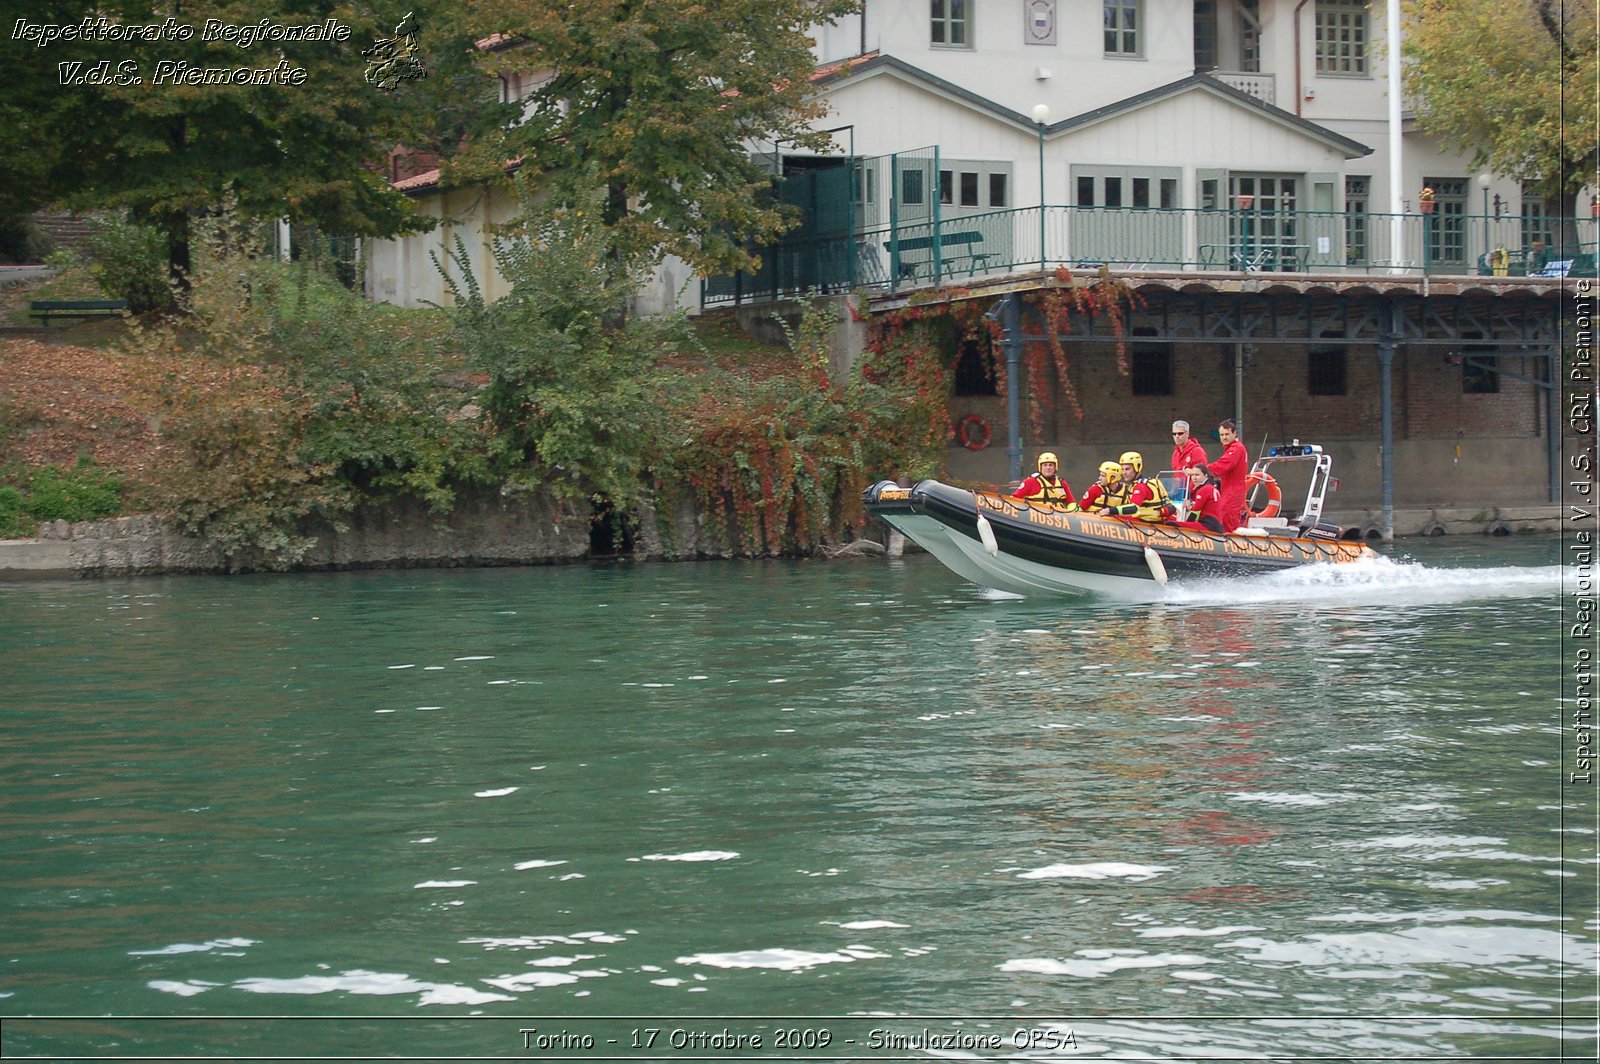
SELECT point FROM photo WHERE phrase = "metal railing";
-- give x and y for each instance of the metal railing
(960, 248)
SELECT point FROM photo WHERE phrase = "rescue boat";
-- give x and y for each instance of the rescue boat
(1028, 548)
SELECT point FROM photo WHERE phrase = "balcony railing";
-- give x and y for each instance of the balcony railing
(967, 248)
(1263, 87)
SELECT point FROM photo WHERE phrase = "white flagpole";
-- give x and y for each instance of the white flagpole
(1396, 178)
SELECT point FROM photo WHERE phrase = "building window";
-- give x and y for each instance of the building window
(1341, 37)
(1151, 368)
(974, 373)
(1205, 35)
(1122, 27)
(952, 23)
(911, 187)
(1480, 374)
(1249, 14)
(1326, 370)
(997, 190)
(1535, 220)
(1356, 193)
(969, 188)
(947, 186)
(1445, 230)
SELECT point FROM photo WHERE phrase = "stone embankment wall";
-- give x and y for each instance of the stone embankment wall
(526, 531)
(487, 530)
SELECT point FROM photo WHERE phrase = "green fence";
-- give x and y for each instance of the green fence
(919, 244)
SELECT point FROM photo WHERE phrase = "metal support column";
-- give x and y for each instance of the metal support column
(1386, 347)
(1012, 344)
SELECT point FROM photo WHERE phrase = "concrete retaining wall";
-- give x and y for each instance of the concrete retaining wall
(493, 531)
(486, 530)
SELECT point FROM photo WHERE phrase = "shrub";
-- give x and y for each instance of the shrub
(82, 492)
(129, 261)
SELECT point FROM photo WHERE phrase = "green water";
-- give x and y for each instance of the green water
(1323, 816)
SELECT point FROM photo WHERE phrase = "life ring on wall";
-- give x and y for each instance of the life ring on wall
(972, 432)
(1274, 494)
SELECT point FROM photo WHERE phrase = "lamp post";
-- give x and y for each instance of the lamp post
(1245, 201)
(1484, 180)
(1041, 118)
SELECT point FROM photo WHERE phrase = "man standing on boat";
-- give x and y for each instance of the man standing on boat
(1045, 486)
(1231, 468)
(1186, 450)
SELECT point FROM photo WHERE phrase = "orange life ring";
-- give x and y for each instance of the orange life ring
(1274, 494)
(972, 432)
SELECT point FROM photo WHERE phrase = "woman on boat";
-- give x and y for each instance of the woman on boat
(1231, 468)
(1106, 491)
(1205, 500)
(1045, 486)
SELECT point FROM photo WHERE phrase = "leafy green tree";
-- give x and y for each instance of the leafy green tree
(569, 398)
(1513, 82)
(657, 102)
(88, 122)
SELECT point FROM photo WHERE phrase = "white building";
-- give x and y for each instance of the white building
(1178, 107)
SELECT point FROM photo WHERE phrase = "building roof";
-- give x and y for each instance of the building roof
(874, 63)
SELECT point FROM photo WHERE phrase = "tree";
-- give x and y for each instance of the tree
(171, 110)
(1513, 82)
(657, 102)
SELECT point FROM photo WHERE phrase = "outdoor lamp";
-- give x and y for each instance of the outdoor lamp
(1484, 180)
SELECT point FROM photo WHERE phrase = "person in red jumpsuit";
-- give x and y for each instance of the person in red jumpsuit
(1186, 450)
(1107, 491)
(1205, 500)
(1231, 468)
(1045, 486)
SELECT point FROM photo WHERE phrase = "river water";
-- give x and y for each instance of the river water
(856, 809)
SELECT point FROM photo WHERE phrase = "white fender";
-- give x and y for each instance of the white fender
(986, 536)
(1157, 569)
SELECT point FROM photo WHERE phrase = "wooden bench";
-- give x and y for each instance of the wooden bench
(963, 245)
(45, 309)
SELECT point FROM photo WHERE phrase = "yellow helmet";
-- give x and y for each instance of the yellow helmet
(1048, 456)
(1133, 458)
(1111, 471)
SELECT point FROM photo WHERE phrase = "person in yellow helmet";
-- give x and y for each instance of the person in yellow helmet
(1046, 486)
(1147, 496)
(1106, 491)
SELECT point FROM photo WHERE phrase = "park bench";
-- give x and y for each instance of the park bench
(45, 309)
(954, 249)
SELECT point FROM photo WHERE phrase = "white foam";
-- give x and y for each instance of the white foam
(477, 657)
(870, 925)
(1195, 932)
(1096, 964)
(360, 982)
(433, 884)
(525, 865)
(787, 960)
(1275, 798)
(1102, 870)
(186, 989)
(194, 947)
(531, 981)
(1381, 581)
(697, 855)
(501, 793)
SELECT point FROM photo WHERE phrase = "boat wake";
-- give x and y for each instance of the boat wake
(1377, 581)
